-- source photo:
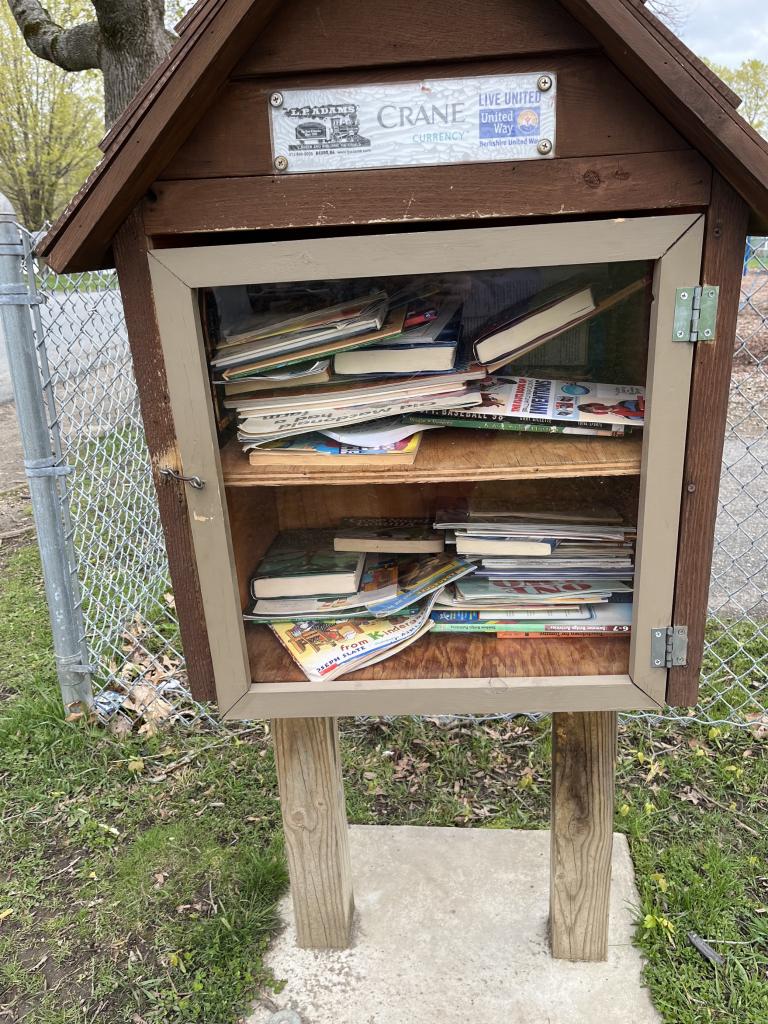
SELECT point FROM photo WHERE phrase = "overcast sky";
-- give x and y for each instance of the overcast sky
(727, 31)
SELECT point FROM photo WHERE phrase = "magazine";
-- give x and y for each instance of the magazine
(565, 402)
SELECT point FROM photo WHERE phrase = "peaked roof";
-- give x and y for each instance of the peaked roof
(216, 33)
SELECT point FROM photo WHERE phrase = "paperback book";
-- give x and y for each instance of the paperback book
(390, 536)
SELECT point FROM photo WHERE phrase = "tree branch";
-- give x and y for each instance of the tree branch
(73, 49)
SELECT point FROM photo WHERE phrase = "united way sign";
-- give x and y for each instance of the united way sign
(438, 121)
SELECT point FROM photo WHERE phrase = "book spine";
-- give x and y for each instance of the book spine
(480, 422)
(529, 629)
(445, 617)
(593, 634)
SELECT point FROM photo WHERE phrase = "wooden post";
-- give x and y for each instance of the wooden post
(583, 767)
(315, 824)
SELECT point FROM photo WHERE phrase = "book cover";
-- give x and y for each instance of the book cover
(317, 450)
(327, 650)
(570, 403)
(303, 563)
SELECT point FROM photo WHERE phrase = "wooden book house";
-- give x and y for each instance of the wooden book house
(634, 162)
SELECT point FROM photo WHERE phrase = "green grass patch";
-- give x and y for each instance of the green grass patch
(141, 875)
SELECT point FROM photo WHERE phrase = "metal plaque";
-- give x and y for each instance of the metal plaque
(438, 121)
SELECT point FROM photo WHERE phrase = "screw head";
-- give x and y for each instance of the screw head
(707, 333)
(545, 147)
(683, 295)
(681, 334)
(281, 163)
(545, 83)
(276, 99)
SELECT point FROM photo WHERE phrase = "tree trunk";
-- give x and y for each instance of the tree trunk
(133, 43)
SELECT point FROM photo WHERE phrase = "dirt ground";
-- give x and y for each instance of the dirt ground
(16, 526)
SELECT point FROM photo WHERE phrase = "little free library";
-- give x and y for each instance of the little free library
(432, 310)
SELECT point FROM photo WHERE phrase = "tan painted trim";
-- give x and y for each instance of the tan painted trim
(673, 241)
(529, 245)
(441, 697)
(187, 375)
(663, 459)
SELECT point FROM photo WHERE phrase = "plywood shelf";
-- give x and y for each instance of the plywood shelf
(457, 455)
(456, 656)
(448, 674)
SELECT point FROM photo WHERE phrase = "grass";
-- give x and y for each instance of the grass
(140, 875)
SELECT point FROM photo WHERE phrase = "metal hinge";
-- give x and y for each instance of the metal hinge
(696, 313)
(669, 647)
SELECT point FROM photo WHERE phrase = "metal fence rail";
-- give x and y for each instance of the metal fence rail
(120, 576)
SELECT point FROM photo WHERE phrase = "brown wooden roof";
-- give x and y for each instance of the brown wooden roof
(216, 33)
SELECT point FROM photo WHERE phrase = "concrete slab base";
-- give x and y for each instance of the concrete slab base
(451, 928)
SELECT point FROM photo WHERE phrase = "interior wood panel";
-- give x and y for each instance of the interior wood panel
(598, 113)
(307, 34)
(253, 523)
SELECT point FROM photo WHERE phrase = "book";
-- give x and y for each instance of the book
(422, 576)
(476, 420)
(302, 374)
(317, 450)
(271, 426)
(579, 613)
(429, 348)
(606, 620)
(521, 328)
(327, 650)
(392, 325)
(341, 394)
(389, 536)
(525, 325)
(468, 544)
(378, 583)
(303, 563)
(355, 316)
(549, 592)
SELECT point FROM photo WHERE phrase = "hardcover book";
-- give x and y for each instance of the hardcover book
(303, 563)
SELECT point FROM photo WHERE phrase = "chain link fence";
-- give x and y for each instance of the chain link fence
(129, 632)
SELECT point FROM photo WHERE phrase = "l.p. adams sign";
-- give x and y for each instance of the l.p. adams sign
(441, 121)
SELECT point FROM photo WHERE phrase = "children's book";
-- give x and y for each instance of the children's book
(420, 577)
(303, 563)
(327, 650)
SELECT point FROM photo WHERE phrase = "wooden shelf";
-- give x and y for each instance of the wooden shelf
(449, 674)
(456, 656)
(457, 455)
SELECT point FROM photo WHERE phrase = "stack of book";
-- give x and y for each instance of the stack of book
(340, 600)
(539, 575)
(403, 359)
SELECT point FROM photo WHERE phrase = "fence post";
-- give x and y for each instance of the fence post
(42, 468)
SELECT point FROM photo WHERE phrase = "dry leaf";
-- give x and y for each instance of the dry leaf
(758, 724)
